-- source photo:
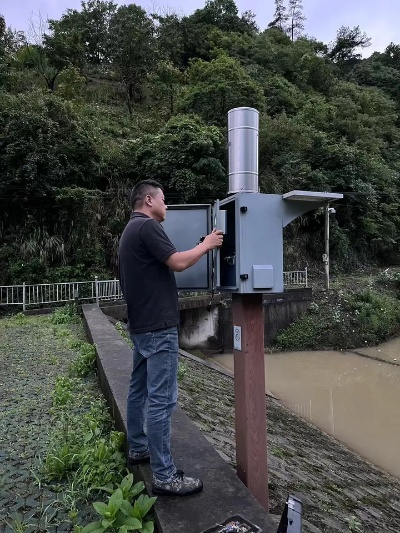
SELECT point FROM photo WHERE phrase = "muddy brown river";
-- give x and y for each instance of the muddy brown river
(353, 398)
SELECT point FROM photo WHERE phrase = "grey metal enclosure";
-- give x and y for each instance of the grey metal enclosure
(251, 257)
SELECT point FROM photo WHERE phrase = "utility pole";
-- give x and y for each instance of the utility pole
(325, 257)
(249, 264)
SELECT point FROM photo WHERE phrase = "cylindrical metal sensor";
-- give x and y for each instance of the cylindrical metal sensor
(243, 149)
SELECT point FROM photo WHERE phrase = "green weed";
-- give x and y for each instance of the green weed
(182, 369)
(62, 393)
(118, 514)
(354, 525)
(65, 315)
(84, 363)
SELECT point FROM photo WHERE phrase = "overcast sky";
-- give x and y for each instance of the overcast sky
(380, 19)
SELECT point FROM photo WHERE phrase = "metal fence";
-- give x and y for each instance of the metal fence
(296, 278)
(26, 295)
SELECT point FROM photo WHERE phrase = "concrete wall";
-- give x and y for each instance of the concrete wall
(210, 326)
(200, 328)
(280, 310)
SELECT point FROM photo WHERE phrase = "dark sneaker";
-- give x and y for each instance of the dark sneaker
(136, 458)
(177, 485)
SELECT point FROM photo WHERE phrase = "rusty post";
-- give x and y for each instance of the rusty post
(250, 398)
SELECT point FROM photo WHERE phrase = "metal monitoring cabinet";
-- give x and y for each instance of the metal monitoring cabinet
(251, 257)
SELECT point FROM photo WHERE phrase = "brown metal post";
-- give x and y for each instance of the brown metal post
(250, 399)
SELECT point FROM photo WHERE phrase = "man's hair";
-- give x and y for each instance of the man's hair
(141, 190)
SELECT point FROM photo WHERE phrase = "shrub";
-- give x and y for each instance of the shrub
(64, 315)
(27, 272)
(377, 316)
(344, 320)
(84, 363)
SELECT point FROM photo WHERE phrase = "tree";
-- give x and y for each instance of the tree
(282, 96)
(391, 56)
(236, 45)
(81, 37)
(187, 154)
(45, 146)
(280, 16)
(64, 43)
(34, 57)
(3, 27)
(97, 15)
(195, 40)
(296, 18)
(169, 38)
(249, 19)
(165, 81)
(3, 61)
(218, 86)
(132, 50)
(224, 14)
(375, 72)
(348, 40)
(10, 40)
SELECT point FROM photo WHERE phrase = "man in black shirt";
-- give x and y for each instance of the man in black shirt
(147, 262)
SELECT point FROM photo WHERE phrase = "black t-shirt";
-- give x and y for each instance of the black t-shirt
(147, 283)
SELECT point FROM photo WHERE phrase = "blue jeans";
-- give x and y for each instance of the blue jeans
(153, 393)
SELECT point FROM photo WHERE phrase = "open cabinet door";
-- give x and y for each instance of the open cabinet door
(185, 225)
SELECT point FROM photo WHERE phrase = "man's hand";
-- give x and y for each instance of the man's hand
(180, 261)
(214, 239)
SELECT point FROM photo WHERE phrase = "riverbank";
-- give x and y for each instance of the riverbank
(340, 490)
(359, 310)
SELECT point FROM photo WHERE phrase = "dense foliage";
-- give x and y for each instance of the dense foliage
(111, 94)
(359, 311)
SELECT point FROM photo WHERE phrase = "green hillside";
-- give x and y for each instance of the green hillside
(108, 95)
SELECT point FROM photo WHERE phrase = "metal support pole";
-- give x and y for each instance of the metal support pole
(76, 295)
(24, 296)
(250, 398)
(96, 283)
(326, 255)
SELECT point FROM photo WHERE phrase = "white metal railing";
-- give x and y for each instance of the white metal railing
(108, 290)
(26, 295)
(52, 293)
(296, 278)
(302, 409)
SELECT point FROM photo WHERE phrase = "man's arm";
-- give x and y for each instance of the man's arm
(180, 261)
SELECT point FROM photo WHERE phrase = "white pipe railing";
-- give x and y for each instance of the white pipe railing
(296, 278)
(26, 295)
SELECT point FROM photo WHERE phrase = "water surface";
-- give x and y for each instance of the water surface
(353, 398)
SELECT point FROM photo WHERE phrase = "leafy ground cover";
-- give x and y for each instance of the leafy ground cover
(358, 310)
(58, 450)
